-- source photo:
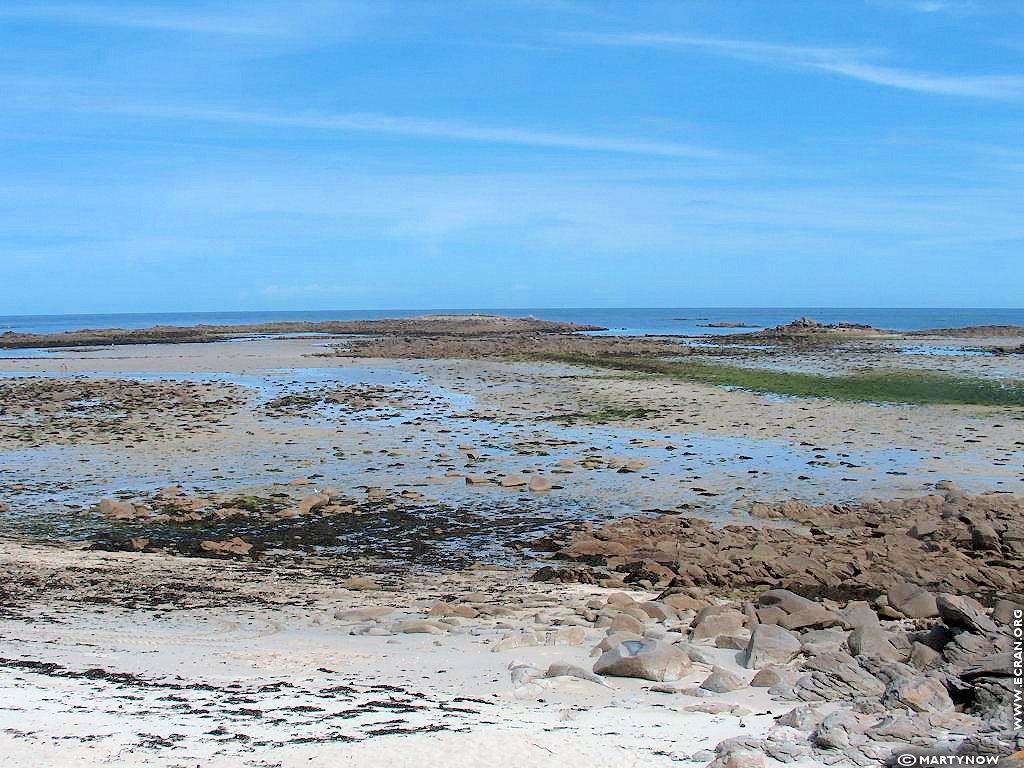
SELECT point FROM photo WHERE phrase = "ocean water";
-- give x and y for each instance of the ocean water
(685, 321)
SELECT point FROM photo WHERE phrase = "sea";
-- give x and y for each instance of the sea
(684, 321)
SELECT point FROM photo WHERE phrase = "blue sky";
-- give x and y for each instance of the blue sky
(320, 154)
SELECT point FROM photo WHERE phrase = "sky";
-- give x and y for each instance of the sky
(191, 155)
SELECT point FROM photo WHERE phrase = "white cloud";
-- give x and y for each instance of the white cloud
(255, 19)
(427, 128)
(854, 63)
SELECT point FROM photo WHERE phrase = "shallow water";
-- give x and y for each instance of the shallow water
(399, 449)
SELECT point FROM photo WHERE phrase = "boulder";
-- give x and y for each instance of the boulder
(921, 694)
(540, 484)
(964, 613)
(722, 681)
(787, 601)
(813, 617)
(836, 677)
(772, 675)
(417, 627)
(912, 601)
(770, 644)
(716, 620)
(873, 641)
(646, 659)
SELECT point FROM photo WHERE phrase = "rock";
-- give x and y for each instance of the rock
(814, 616)
(313, 502)
(840, 730)
(859, 614)
(716, 620)
(566, 636)
(773, 675)
(912, 601)
(234, 546)
(722, 681)
(836, 677)
(513, 481)
(659, 611)
(477, 480)
(1006, 611)
(613, 639)
(984, 537)
(359, 583)
(646, 659)
(738, 759)
(698, 653)
(682, 602)
(784, 600)
(822, 641)
(806, 717)
(619, 600)
(873, 641)
(785, 744)
(625, 623)
(363, 614)
(417, 627)
(770, 644)
(442, 609)
(571, 670)
(540, 484)
(117, 510)
(923, 657)
(921, 694)
(732, 642)
(964, 613)
(524, 639)
(922, 529)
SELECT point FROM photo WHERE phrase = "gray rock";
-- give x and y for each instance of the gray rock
(787, 601)
(840, 730)
(770, 644)
(912, 601)
(836, 677)
(921, 694)
(922, 657)
(1005, 612)
(815, 617)
(822, 641)
(645, 659)
(962, 612)
(806, 717)
(716, 620)
(984, 537)
(859, 614)
(873, 641)
(722, 681)
(774, 674)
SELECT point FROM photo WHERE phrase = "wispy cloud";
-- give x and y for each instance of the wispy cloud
(246, 19)
(425, 128)
(137, 17)
(854, 63)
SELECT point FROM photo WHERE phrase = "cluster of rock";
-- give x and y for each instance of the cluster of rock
(354, 398)
(940, 677)
(917, 671)
(951, 541)
(37, 411)
(224, 513)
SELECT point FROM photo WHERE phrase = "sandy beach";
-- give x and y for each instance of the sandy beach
(287, 551)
